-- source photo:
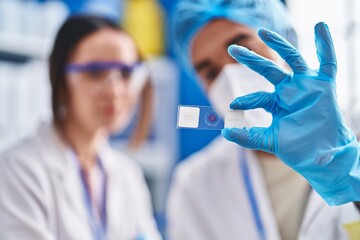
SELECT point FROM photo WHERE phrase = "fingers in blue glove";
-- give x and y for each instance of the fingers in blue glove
(253, 138)
(325, 50)
(254, 100)
(257, 63)
(288, 52)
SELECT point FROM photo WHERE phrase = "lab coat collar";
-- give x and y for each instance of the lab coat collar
(263, 200)
(62, 161)
(60, 151)
(62, 167)
(107, 156)
(314, 206)
(64, 175)
(54, 150)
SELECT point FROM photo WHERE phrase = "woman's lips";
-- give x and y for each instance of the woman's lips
(110, 111)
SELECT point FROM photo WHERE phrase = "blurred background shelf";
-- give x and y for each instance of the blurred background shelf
(19, 48)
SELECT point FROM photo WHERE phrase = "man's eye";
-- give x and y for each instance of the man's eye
(211, 74)
(248, 45)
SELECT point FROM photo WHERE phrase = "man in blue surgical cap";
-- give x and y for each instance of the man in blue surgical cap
(226, 191)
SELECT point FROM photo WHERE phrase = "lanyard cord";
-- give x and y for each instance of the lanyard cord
(251, 194)
(98, 229)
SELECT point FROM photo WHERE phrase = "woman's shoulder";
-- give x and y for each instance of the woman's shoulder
(27, 152)
(23, 163)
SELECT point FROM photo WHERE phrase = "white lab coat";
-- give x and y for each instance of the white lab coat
(208, 201)
(41, 196)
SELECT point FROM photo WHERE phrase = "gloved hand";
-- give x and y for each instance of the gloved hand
(308, 131)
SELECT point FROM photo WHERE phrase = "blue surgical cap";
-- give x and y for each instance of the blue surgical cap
(192, 15)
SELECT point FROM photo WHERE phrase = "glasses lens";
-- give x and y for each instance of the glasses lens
(97, 75)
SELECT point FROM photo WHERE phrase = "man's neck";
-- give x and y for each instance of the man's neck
(266, 156)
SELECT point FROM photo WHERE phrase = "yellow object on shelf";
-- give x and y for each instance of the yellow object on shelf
(144, 20)
(353, 230)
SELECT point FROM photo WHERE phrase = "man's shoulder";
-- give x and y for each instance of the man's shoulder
(206, 163)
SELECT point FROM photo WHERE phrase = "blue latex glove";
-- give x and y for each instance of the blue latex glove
(307, 132)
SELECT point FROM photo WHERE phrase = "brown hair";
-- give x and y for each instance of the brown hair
(75, 29)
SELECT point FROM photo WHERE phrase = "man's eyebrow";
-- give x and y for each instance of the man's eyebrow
(237, 39)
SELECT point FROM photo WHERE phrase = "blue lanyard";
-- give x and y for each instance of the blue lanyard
(98, 229)
(251, 194)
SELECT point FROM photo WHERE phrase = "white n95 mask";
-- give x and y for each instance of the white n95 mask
(236, 80)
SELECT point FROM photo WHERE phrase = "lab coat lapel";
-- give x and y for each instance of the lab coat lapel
(262, 197)
(73, 186)
(238, 207)
(66, 182)
(314, 206)
(65, 175)
(114, 200)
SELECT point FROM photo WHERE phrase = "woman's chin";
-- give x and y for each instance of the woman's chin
(115, 124)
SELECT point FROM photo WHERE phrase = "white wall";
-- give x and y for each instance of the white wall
(343, 19)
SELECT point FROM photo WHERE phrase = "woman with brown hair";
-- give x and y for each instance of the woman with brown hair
(66, 182)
